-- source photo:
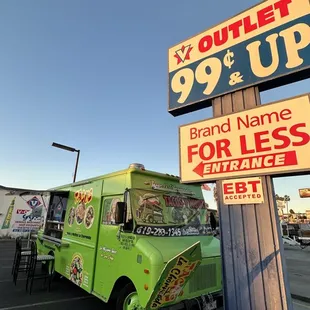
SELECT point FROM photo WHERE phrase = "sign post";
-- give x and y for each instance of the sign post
(246, 143)
(254, 270)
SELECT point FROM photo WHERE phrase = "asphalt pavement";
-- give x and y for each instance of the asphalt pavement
(298, 267)
(299, 305)
(64, 295)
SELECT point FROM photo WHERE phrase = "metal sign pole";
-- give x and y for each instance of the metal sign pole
(254, 270)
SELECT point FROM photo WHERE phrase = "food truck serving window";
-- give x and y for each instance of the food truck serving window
(168, 214)
(56, 214)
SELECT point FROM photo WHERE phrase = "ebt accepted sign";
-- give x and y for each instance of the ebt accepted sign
(271, 139)
(243, 191)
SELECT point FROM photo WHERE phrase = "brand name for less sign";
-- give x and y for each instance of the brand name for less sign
(270, 139)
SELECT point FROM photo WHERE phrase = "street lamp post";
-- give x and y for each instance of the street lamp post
(70, 149)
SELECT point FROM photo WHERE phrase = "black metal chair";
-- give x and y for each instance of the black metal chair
(21, 259)
(18, 247)
(46, 273)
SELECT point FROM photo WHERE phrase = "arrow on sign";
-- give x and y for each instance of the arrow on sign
(199, 169)
(248, 164)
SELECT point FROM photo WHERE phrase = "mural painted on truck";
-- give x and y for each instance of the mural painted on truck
(169, 214)
(80, 229)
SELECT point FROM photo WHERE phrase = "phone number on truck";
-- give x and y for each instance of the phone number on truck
(156, 231)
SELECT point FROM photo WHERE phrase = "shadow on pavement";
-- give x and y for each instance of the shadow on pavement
(63, 294)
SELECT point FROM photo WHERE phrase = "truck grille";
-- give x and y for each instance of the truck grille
(203, 278)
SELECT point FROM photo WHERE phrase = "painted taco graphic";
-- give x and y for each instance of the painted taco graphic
(89, 217)
(80, 213)
(88, 196)
(76, 270)
(77, 197)
(83, 195)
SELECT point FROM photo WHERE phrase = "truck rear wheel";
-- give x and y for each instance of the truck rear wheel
(128, 299)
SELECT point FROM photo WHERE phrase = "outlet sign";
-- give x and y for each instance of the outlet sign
(270, 139)
(267, 45)
(243, 191)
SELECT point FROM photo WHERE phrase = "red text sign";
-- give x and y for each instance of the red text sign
(21, 211)
(270, 139)
(242, 191)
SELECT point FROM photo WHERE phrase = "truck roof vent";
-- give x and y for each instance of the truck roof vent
(137, 166)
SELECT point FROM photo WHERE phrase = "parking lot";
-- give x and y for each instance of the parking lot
(64, 295)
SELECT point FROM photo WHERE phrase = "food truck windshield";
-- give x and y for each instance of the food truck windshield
(168, 214)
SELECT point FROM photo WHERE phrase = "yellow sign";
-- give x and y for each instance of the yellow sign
(270, 139)
(242, 191)
(175, 276)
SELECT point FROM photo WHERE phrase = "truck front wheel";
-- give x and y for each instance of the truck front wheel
(128, 299)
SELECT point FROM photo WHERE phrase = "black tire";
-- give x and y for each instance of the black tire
(125, 291)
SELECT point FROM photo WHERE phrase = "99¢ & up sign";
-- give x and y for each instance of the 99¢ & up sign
(270, 139)
(257, 47)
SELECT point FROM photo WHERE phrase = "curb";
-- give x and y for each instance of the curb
(301, 298)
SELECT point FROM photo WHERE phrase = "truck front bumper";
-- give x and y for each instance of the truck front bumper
(198, 302)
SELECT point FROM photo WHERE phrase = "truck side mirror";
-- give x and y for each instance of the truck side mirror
(119, 212)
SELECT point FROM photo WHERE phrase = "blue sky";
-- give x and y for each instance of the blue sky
(93, 75)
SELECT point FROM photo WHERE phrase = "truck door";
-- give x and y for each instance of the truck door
(108, 247)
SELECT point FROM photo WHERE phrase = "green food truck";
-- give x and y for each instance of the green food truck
(136, 239)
